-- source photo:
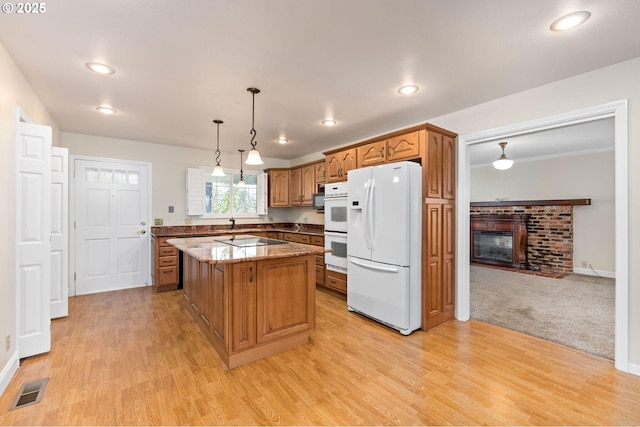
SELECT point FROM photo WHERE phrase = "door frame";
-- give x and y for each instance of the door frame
(72, 213)
(619, 110)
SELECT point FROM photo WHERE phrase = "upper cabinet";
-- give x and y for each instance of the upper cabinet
(278, 187)
(401, 147)
(321, 172)
(440, 171)
(302, 183)
(339, 163)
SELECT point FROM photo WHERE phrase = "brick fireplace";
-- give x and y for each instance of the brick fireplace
(549, 229)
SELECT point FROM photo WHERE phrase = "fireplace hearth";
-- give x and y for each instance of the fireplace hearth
(499, 240)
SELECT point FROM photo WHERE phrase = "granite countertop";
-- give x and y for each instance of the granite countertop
(210, 230)
(210, 249)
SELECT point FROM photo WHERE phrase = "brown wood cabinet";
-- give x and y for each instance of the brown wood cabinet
(252, 309)
(278, 187)
(302, 183)
(336, 281)
(164, 272)
(320, 266)
(321, 172)
(339, 163)
(393, 149)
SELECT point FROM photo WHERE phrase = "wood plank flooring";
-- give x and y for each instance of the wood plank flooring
(135, 357)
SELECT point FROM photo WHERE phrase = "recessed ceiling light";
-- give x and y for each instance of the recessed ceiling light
(408, 89)
(283, 140)
(106, 110)
(329, 122)
(100, 68)
(570, 21)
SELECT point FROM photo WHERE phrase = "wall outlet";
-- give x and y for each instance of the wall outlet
(306, 219)
(8, 342)
(584, 264)
(157, 221)
(270, 218)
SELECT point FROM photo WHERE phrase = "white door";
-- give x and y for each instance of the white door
(59, 232)
(111, 231)
(33, 234)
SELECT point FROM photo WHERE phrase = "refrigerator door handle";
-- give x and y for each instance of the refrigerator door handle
(365, 217)
(372, 188)
(374, 267)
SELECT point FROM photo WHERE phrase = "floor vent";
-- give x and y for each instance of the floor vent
(29, 394)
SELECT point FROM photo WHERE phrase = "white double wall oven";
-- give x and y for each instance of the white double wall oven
(335, 226)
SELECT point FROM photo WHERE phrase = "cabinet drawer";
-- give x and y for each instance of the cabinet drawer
(320, 260)
(167, 251)
(297, 238)
(167, 275)
(317, 240)
(162, 241)
(167, 261)
(336, 281)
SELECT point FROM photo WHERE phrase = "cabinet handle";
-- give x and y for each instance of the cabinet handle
(251, 276)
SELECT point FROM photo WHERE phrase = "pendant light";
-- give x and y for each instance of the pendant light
(503, 163)
(217, 170)
(241, 182)
(254, 157)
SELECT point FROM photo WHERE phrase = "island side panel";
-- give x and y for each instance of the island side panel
(286, 297)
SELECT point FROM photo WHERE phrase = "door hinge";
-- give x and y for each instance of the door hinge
(74, 225)
(74, 276)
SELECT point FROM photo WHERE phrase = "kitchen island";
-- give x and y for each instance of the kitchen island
(251, 296)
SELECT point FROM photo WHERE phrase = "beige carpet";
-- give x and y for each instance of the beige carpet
(577, 311)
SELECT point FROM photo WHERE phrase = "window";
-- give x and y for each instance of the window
(222, 197)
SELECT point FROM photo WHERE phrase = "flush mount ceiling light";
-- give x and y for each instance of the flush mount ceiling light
(99, 68)
(241, 182)
(253, 158)
(408, 89)
(217, 170)
(282, 140)
(570, 21)
(106, 110)
(503, 163)
(329, 122)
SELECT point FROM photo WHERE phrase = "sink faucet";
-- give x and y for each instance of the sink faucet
(233, 223)
(298, 227)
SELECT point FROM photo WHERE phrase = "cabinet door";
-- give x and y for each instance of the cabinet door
(286, 297)
(403, 147)
(190, 280)
(321, 172)
(333, 168)
(349, 162)
(279, 188)
(308, 185)
(434, 165)
(448, 168)
(219, 304)
(295, 187)
(243, 306)
(432, 263)
(371, 154)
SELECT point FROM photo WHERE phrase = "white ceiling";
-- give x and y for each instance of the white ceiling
(181, 64)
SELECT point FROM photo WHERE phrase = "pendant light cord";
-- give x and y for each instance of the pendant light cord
(253, 115)
(217, 122)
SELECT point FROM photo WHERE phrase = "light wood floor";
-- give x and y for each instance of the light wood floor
(135, 357)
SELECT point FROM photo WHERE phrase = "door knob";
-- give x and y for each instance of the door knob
(142, 231)
(143, 223)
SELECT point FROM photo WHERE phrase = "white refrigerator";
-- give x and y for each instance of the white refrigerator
(384, 232)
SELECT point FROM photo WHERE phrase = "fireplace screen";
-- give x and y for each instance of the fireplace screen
(493, 245)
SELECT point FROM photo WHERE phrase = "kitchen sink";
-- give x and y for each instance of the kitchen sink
(252, 241)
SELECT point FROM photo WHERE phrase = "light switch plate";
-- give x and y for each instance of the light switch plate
(157, 221)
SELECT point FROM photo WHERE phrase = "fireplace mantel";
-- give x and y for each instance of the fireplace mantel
(559, 202)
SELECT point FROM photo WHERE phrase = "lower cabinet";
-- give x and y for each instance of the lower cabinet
(164, 274)
(336, 281)
(253, 309)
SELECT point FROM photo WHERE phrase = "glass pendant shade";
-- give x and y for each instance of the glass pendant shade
(502, 163)
(217, 171)
(253, 158)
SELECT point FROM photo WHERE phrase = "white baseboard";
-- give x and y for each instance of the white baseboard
(590, 272)
(8, 371)
(634, 369)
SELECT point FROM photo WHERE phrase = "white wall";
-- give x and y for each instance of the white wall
(597, 87)
(586, 176)
(169, 165)
(15, 92)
